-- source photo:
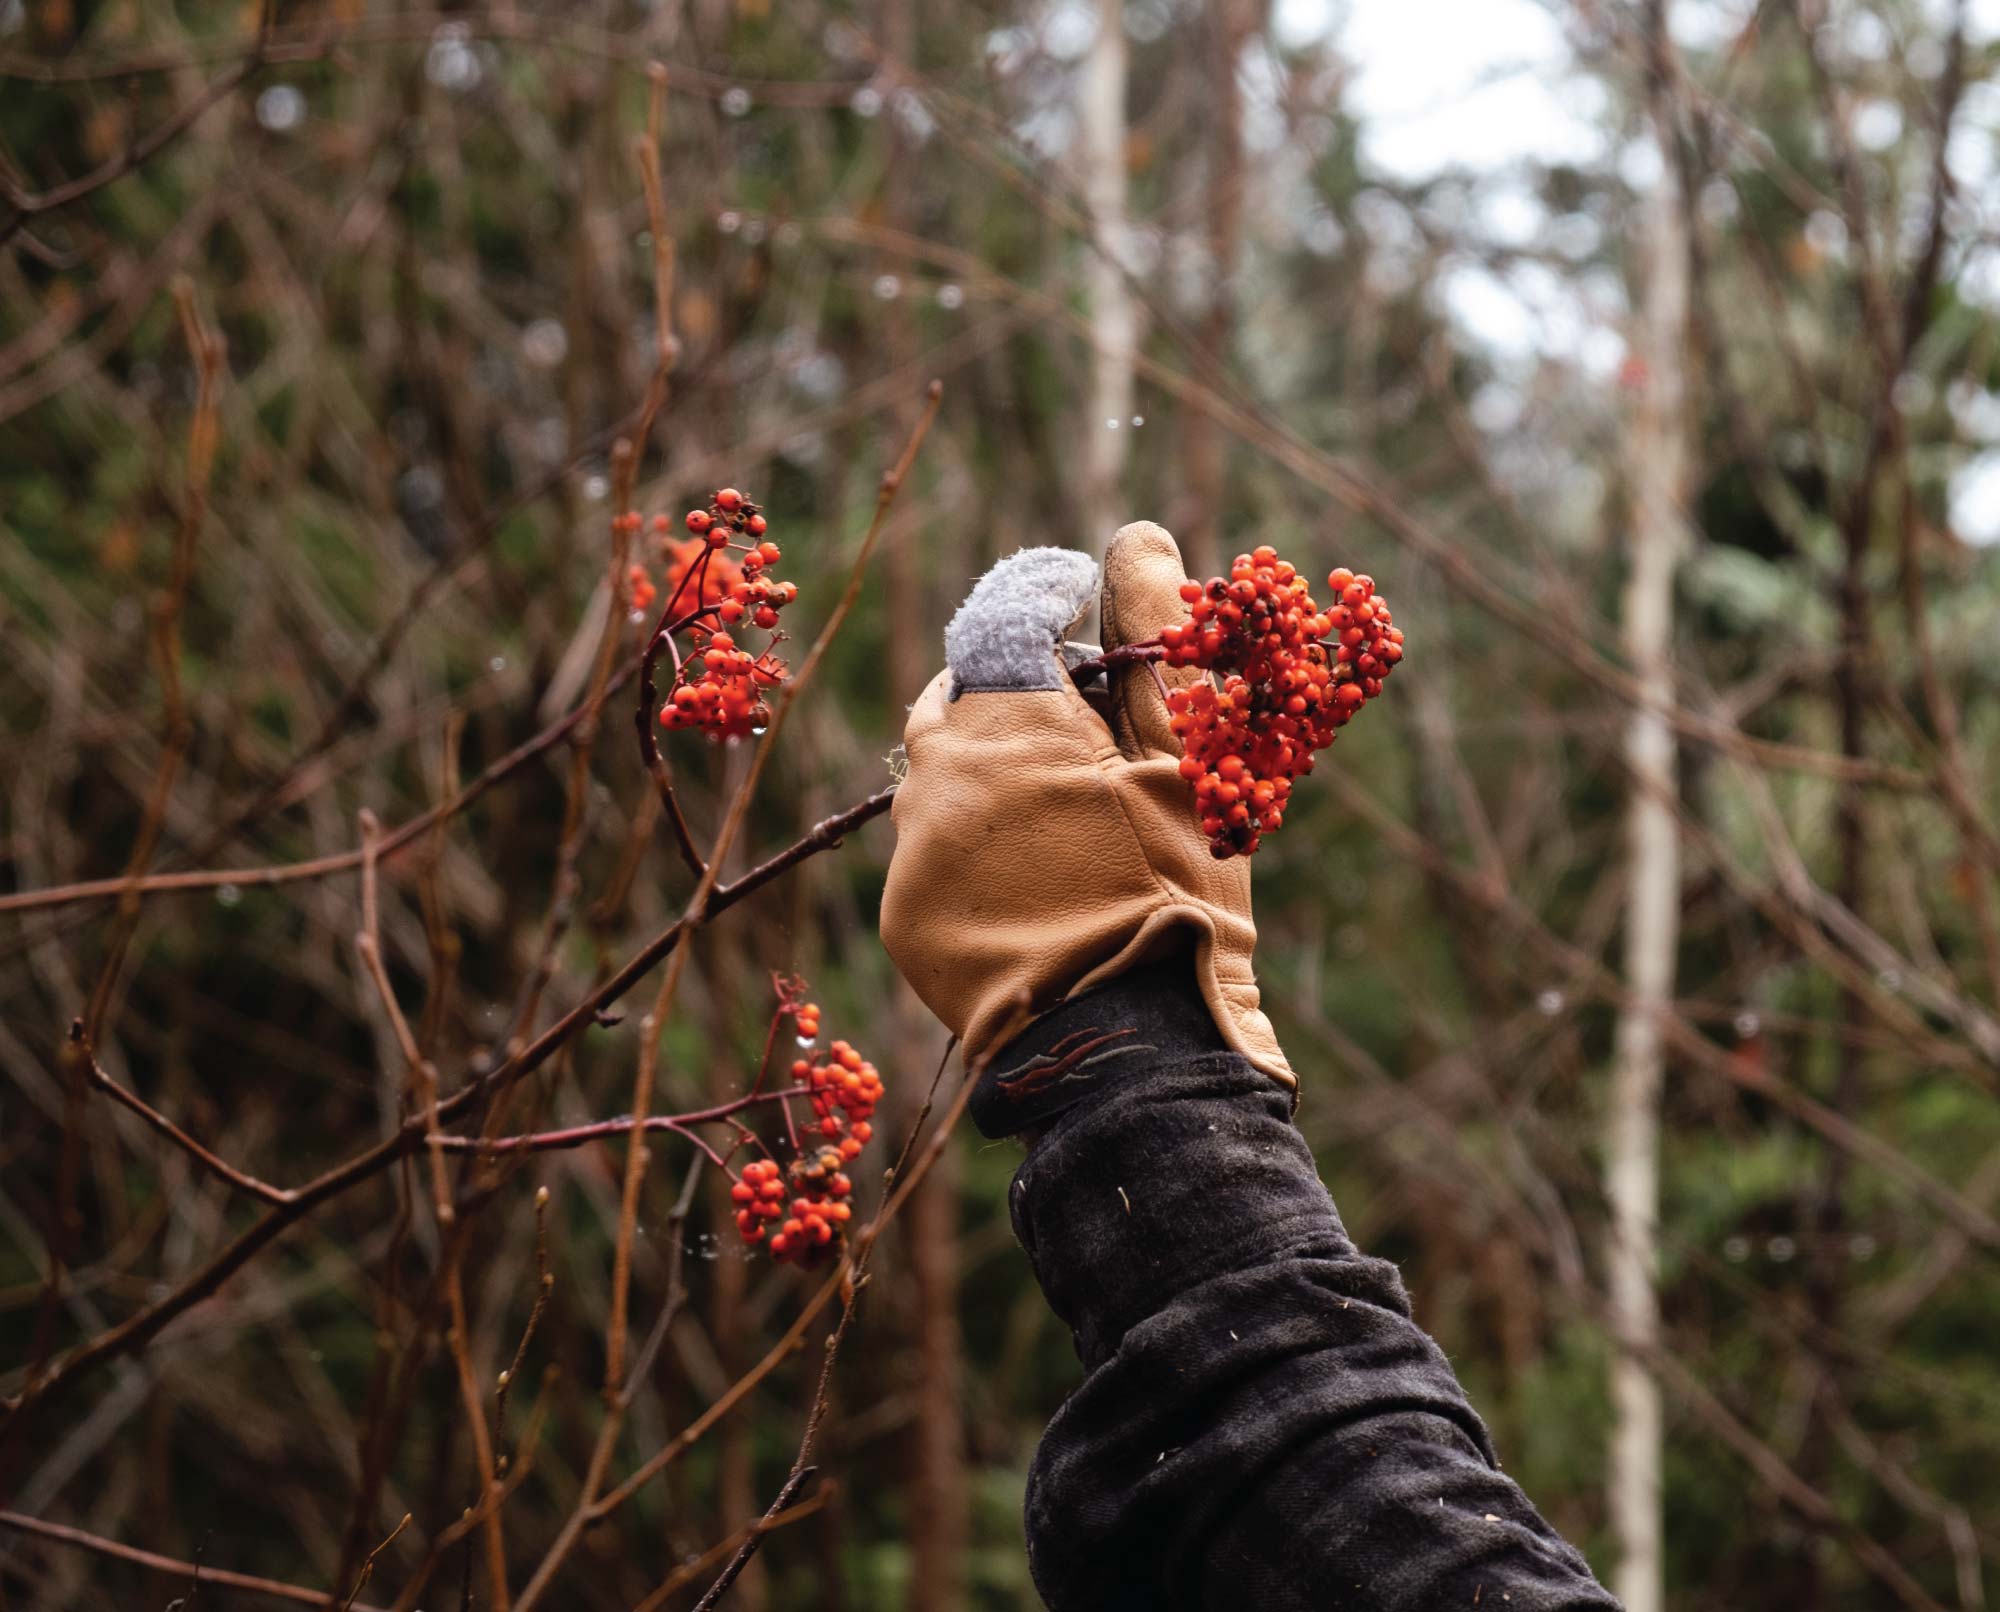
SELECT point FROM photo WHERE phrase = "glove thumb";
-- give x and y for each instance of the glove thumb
(1143, 574)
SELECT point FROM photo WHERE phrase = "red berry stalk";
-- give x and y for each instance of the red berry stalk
(717, 581)
(842, 1088)
(1293, 676)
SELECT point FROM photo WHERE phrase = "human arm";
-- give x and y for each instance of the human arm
(1261, 1422)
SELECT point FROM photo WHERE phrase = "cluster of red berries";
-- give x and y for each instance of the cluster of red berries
(818, 1212)
(759, 1195)
(722, 690)
(686, 556)
(717, 579)
(1293, 676)
(639, 587)
(842, 1088)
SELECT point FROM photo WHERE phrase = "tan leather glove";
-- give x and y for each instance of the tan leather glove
(1042, 849)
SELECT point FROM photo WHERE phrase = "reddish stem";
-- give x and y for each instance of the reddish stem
(784, 1010)
(714, 1157)
(1123, 655)
(649, 700)
(599, 1130)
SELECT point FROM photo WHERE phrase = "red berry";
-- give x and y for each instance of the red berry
(1284, 693)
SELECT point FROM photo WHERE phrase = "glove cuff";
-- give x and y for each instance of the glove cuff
(1153, 1014)
(1221, 974)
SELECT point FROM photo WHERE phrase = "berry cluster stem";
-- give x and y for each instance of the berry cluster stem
(1124, 655)
(623, 1124)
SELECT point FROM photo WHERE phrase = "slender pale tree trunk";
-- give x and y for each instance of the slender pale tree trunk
(939, 1493)
(1198, 520)
(1114, 319)
(1658, 449)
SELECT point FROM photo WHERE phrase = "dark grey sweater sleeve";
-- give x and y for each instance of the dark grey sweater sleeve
(1261, 1423)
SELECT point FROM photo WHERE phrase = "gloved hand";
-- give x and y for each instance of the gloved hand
(1043, 848)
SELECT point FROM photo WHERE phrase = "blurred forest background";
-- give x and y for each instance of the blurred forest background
(1647, 354)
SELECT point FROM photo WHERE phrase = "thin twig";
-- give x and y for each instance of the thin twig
(688, 1573)
(212, 1162)
(855, 1277)
(668, 349)
(368, 942)
(748, 1548)
(458, 1340)
(144, 1325)
(475, 1516)
(205, 348)
(604, 1129)
(368, 1566)
(545, 1284)
(277, 1589)
(257, 878)
(29, 204)
(676, 1296)
(569, 842)
(419, 1075)
(621, 1269)
(699, 905)
(841, 1284)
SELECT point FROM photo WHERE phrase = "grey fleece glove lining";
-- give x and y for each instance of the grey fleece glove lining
(1006, 633)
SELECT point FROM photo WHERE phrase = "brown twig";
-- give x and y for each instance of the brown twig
(676, 1294)
(545, 1285)
(682, 1576)
(626, 454)
(222, 1577)
(654, 1024)
(604, 1130)
(368, 1566)
(667, 350)
(324, 866)
(29, 204)
(368, 943)
(206, 349)
(418, 1073)
(76, 1054)
(698, 906)
(441, 942)
(855, 1278)
(569, 842)
(146, 1324)
(475, 1516)
(842, 1283)
(458, 1340)
(800, 1476)
(210, 1161)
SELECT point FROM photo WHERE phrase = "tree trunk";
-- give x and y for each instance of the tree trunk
(1659, 450)
(938, 1493)
(1113, 316)
(1198, 521)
